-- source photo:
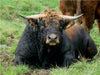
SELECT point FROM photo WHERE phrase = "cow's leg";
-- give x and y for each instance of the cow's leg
(88, 19)
(18, 60)
(68, 59)
(84, 23)
(45, 63)
(76, 54)
(44, 60)
(98, 22)
(90, 53)
(78, 12)
(91, 49)
(89, 14)
(88, 22)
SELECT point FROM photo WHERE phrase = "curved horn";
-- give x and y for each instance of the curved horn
(32, 16)
(71, 17)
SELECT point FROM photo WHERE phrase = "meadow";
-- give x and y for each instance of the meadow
(12, 27)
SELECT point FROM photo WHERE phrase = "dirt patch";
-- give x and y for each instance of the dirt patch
(43, 72)
(5, 57)
(37, 72)
(11, 42)
(29, 72)
(4, 48)
(1, 74)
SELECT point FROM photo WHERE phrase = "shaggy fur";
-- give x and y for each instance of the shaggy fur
(27, 48)
(90, 9)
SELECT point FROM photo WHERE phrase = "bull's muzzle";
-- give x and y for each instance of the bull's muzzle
(52, 40)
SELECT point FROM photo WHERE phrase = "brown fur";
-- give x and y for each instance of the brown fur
(90, 9)
(72, 31)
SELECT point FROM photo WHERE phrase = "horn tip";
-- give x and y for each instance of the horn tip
(22, 16)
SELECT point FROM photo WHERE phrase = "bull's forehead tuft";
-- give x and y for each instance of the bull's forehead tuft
(51, 12)
(51, 15)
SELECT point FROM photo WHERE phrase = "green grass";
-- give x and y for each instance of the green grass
(12, 70)
(80, 68)
(11, 28)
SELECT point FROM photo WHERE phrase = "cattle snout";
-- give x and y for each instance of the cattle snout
(52, 39)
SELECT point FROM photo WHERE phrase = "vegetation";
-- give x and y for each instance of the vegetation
(11, 28)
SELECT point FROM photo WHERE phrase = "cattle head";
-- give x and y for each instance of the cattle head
(50, 25)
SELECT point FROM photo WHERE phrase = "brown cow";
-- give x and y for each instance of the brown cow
(90, 9)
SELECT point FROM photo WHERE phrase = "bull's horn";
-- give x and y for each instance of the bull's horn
(71, 17)
(32, 16)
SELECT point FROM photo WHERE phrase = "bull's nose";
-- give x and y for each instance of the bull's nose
(52, 37)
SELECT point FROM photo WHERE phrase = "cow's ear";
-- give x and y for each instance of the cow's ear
(32, 21)
(66, 23)
(69, 23)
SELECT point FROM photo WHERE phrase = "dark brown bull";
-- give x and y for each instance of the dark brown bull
(90, 9)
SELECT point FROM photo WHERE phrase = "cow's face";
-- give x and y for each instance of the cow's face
(51, 31)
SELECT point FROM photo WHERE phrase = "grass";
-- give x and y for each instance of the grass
(12, 70)
(80, 68)
(11, 28)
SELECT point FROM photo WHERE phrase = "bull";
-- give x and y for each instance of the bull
(90, 9)
(44, 41)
